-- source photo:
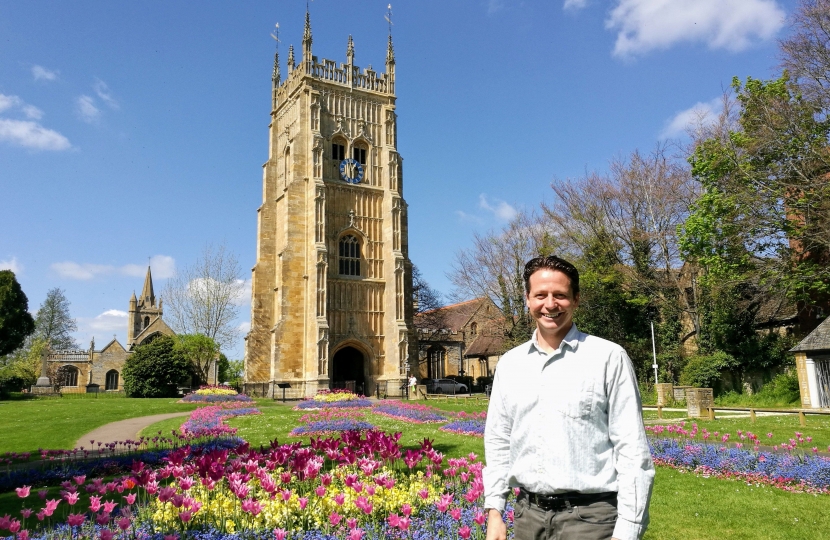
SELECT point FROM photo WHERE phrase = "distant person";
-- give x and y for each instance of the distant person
(565, 426)
(413, 382)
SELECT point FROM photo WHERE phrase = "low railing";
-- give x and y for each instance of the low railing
(802, 413)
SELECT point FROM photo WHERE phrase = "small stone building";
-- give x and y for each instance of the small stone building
(461, 339)
(76, 369)
(812, 362)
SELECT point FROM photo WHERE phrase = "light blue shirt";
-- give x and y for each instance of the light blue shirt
(569, 421)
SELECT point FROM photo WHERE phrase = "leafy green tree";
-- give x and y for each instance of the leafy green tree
(22, 368)
(764, 214)
(201, 351)
(53, 323)
(16, 323)
(230, 371)
(156, 369)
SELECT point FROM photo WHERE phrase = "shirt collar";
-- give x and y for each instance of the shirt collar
(571, 340)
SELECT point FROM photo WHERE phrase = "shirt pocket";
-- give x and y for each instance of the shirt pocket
(574, 396)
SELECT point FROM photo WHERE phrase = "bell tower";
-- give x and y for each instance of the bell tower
(332, 277)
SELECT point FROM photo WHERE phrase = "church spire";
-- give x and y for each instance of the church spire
(291, 64)
(350, 51)
(307, 43)
(148, 297)
(275, 77)
(390, 54)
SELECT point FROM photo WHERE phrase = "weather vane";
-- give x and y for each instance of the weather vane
(388, 17)
(276, 35)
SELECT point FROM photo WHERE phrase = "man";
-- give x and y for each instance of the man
(565, 426)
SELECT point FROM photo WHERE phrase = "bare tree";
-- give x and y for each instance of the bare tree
(426, 302)
(203, 298)
(631, 214)
(493, 268)
(53, 323)
(806, 52)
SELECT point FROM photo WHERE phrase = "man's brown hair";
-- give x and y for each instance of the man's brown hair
(552, 262)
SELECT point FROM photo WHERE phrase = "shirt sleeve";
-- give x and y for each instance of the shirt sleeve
(635, 469)
(496, 449)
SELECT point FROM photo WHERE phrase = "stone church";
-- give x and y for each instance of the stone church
(77, 369)
(332, 279)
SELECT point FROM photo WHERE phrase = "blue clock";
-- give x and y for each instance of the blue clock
(351, 171)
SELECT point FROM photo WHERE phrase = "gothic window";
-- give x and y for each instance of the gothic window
(473, 329)
(338, 151)
(359, 155)
(435, 362)
(68, 376)
(146, 322)
(349, 256)
(112, 380)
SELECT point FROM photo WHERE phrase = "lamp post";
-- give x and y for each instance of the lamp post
(654, 352)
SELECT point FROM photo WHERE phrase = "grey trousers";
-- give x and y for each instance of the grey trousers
(590, 522)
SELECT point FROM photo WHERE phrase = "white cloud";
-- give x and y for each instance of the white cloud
(468, 218)
(244, 328)
(163, 267)
(575, 4)
(32, 135)
(73, 270)
(494, 6)
(104, 93)
(646, 25)
(86, 109)
(244, 297)
(14, 102)
(40, 73)
(11, 264)
(699, 114)
(112, 320)
(499, 208)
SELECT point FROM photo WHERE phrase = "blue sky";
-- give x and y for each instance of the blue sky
(137, 130)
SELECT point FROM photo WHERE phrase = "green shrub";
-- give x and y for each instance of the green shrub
(781, 391)
(704, 371)
(156, 369)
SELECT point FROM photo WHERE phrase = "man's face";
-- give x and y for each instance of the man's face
(551, 302)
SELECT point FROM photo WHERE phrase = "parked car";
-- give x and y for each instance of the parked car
(445, 386)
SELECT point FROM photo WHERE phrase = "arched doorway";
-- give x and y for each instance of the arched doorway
(347, 370)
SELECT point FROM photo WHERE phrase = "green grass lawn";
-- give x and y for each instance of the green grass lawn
(683, 505)
(57, 423)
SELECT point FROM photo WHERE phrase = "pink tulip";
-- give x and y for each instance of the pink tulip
(43, 493)
(26, 512)
(356, 534)
(23, 492)
(40, 515)
(75, 520)
(394, 520)
(339, 499)
(50, 507)
(130, 498)
(351, 523)
(320, 491)
(124, 523)
(185, 516)
(280, 534)
(71, 498)
(14, 525)
(173, 536)
(464, 532)
(480, 518)
(109, 506)
(404, 523)
(406, 510)
(79, 479)
(334, 519)
(23, 535)
(102, 519)
(106, 534)
(94, 504)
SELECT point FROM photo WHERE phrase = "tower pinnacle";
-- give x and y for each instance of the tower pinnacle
(350, 50)
(147, 294)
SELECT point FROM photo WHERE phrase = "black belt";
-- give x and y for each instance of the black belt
(569, 499)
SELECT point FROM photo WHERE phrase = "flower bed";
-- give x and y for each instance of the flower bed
(355, 486)
(465, 427)
(327, 427)
(790, 466)
(334, 399)
(216, 390)
(216, 398)
(418, 414)
(210, 421)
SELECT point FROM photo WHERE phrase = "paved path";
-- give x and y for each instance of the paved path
(123, 429)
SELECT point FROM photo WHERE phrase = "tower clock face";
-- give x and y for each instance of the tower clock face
(351, 171)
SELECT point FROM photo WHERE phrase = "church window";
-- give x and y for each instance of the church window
(146, 322)
(349, 256)
(112, 380)
(338, 151)
(435, 362)
(68, 376)
(473, 329)
(359, 155)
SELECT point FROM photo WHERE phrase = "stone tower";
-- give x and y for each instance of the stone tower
(332, 280)
(145, 314)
